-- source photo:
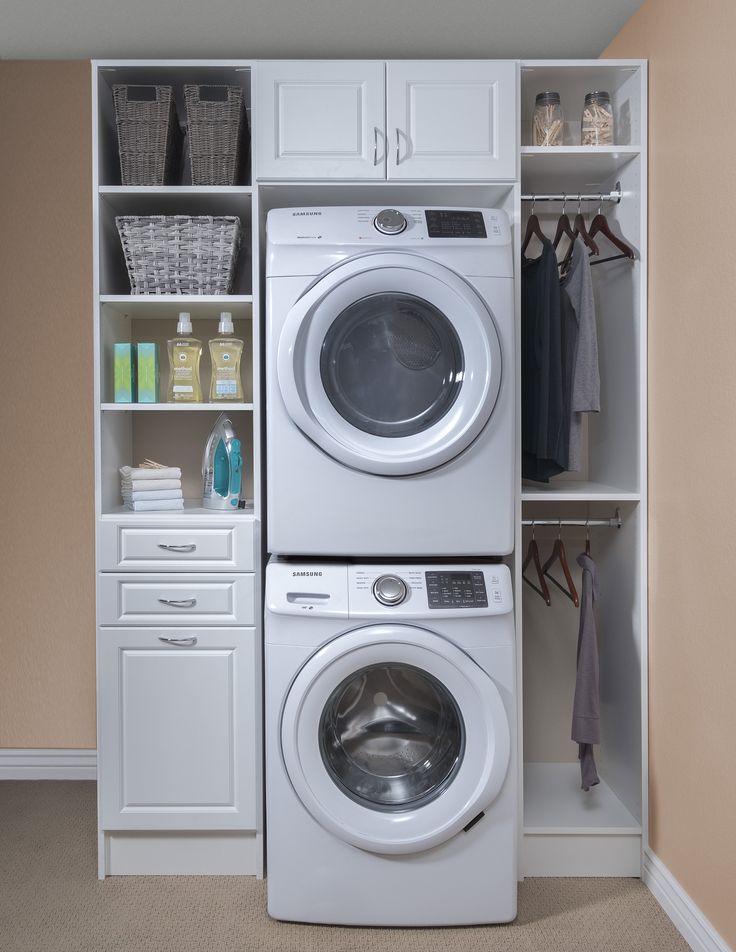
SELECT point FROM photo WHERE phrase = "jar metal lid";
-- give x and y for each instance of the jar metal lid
(597, 96)
(548, 98)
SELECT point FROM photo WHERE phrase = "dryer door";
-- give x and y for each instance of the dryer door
(394, 739)
(390, 362)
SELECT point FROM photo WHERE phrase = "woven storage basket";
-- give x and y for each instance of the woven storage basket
(179, 254)
(219, 139)
(149, 136)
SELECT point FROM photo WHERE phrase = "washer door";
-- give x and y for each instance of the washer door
(394, 739)
(391, 363)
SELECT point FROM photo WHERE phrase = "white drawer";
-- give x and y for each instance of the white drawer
(204, 548)
(176, 599)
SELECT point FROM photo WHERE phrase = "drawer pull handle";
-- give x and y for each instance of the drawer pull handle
(188, 547)
(181, 642)
(179, 602)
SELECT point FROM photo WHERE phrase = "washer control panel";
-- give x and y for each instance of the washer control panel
(456, 590)
(389, 589)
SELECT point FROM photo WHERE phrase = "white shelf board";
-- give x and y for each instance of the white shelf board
(176, 189)
(555, 804)
(572, 168)
(179, 200)
(214, 407)
(576, 491)
(192, 508)
(167, 306)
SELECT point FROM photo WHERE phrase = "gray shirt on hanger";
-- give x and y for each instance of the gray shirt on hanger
(586, 704)
(586, 386)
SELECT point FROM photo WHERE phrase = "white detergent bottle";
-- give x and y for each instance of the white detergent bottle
(225, 354)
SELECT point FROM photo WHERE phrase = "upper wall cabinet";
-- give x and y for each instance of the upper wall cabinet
(412, 120)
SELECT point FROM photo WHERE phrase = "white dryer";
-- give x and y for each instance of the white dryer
(390, 382)
(391, 779)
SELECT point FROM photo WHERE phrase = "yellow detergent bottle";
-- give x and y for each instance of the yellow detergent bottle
(225, 353)
(185, 352)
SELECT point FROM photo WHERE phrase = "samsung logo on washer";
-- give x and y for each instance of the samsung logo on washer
(305, 213)
(294, 574)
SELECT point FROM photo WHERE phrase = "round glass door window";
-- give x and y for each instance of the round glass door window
(392, 737)
(391, 364)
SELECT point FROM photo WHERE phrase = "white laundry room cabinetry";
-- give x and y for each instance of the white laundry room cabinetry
(178, 593)
(439, 120)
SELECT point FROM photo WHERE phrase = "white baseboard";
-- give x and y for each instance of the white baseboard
(35, 764)
(690, 922)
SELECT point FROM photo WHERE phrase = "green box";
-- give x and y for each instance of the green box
(124, 373)
(148, 388)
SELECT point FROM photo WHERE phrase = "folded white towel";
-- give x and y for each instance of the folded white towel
(145, 472)
(155, 505)
(143, 495)
(137, 485)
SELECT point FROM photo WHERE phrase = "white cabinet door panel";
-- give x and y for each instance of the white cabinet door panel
(176, 599)
(178, 727)
(451, 119)
(318, 119)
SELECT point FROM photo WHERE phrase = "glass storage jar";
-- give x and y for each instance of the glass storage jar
(596, 127)
(548, 119)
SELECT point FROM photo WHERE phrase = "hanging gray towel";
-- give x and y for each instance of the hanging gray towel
(586, 705)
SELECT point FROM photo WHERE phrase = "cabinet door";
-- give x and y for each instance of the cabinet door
(317, 119)
(451, 120)
(177, 728)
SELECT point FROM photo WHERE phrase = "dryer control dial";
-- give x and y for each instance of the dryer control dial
(389, 222)
(389, 589)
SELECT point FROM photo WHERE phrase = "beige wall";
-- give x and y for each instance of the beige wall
(692, 443)
(47, 634)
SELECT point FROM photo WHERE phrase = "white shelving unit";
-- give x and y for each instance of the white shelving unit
(179, 697)
(568, 832)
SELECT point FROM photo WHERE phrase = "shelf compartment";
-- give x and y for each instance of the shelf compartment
(621, 78)
(114, 278)
(142, 322)
(175, 74)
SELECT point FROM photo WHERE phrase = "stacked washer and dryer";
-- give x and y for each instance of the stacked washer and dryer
(391, 775)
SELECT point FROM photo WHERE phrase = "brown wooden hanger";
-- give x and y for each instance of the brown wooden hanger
(532, 228)
(532, 555)
(563, 226)
(579, 228)
(559, 555)
(600, 225)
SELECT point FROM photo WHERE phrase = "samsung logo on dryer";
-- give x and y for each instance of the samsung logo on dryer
(295, 214)
(295, 574)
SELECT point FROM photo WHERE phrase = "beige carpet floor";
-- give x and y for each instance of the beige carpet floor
(51, 901)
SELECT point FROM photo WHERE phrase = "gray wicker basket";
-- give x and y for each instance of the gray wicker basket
(219, 139)
(149, 136)
(179, 254)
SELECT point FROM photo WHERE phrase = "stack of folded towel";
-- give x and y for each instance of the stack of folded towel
(151, 487)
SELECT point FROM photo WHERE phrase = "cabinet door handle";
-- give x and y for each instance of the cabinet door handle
(398, 143)
(186, 547)
(179, 602)
(181, 642)
(375, 145)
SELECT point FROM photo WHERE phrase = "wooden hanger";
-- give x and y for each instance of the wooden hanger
(600, 225)
(532, 228)
(587, 536)
(563, 226)
(532, 555)
(559, 554)
(579, 228)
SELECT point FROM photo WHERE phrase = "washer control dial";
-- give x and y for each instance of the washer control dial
(389, 589)
(389, 222)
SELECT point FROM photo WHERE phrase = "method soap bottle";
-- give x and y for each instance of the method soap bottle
(225, 353)
(185, 352)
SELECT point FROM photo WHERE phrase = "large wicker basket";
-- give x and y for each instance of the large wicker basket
(149, 136)
(219, 138)
(179, 254)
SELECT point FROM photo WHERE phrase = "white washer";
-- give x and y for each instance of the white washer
(391, 787)
(390, 382)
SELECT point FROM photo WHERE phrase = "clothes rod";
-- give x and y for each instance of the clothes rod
(615, 195)
(615, 522)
